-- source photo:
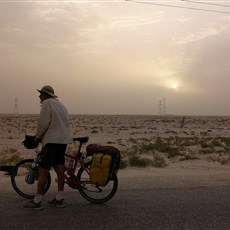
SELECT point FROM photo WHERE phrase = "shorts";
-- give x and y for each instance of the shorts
(52, 154)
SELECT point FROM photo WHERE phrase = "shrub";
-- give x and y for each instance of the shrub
(158, 140)
(206, 150)
(190, 156)
(132, 140)
(226, 141)
(94, 131)
(172, 152)
(12, 160)
(163, 147)
(186, 141)
(124, 164)
(159, 160)
(147, 147)
(216, 143)
(137, 161)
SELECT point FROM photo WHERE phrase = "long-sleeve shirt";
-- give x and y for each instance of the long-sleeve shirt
(53, 123)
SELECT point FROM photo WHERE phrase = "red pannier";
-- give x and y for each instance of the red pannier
(107, 150)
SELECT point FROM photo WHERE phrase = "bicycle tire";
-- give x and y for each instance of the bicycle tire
(91, 192)
(18, 180)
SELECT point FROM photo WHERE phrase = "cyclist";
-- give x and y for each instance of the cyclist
(53, 130)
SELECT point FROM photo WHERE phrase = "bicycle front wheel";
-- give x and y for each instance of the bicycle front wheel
(19, 180)
(93, 193)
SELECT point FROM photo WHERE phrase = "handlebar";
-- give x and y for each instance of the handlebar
(82, 140)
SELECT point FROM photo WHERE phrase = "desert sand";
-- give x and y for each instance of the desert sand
(195, 149)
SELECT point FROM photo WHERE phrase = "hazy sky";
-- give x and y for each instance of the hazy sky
(117, 57)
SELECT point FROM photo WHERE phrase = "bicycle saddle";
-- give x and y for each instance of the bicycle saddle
(81, 139)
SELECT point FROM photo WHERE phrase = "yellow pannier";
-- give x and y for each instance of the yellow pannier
(100, 169)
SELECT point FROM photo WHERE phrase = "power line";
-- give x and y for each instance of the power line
(153, 2)
(80, 1)
(181, 7)
(110, 1)
(206, 3)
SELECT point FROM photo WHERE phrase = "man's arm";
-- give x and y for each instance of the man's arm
(44, 119)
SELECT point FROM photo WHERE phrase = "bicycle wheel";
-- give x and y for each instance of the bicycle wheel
(19, 183)
(93, 193)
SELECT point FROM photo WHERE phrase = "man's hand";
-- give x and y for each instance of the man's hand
(38, 139)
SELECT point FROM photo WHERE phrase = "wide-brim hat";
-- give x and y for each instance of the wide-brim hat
(47, 89)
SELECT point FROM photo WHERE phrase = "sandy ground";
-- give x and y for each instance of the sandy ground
(185, 174)
(126, 132)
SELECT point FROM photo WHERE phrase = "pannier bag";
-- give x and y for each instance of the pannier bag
(106, 149)
(114, 153)
(100, 168)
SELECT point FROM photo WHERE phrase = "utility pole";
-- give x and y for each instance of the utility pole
(160, 107)
(15, 111)
(164, 108)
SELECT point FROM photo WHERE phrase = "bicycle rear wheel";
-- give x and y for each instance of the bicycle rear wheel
(93, 193)
(18, 180)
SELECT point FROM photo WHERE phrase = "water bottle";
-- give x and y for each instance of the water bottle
(33, 171)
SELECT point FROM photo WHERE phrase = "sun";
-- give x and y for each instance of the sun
(174, 85)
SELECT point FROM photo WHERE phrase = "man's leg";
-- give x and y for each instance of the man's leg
(42, 178)
(36, 202)
(59, 198)
(60, 169)
(59, 150)
(43, 175)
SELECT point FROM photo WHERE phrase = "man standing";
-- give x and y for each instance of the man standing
(53, 130)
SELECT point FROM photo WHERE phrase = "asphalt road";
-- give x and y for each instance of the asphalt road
(198, 207)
